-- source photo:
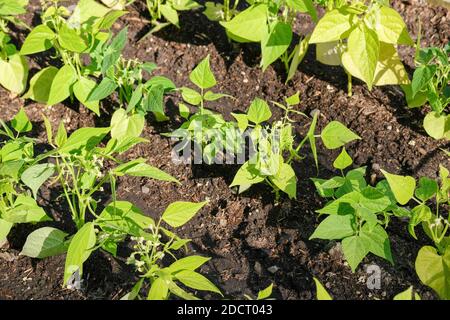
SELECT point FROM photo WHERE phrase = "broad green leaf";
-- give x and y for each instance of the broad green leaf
(35, 176)
(402, 186)
(408, 294)
(331, 27)
(214, 11)
(25, 210)
(180, 212)
(249, 25)
(304, 6)
(361, 57)
(355, 248)
(196, 281)
(84, 138)
(45, 242)
(427, 189)
(40, 85)
(40, 39)
(436, 125)
(87, 10)
(110, 18)
(134, 293)
(61, 85)
(421, 77)
(246, 176)
(321, 292)
(70, 40)
(21, 123)
(275, 43)
(184, 5)
(138, 168)
(5, 227)
(81, 89)
(79, 250)
(329, 53)
(154, 102)
(335, 135)
(14, 73)
(170, 14)
(259, 111)
(125, 217)
(334, 227)
(191, 96)
(211, 96)
(299, 53)
(286, 180)
(377, 241)
(202, 76)
(343, 160)
(103, 90)
(61, 135)
(242, 120)
(123, 125)
(184, 110)
(265, 293)
(188, 263)
(391, 28)
(433, 270)
(390, 69)
(166, 83)
(158, 290)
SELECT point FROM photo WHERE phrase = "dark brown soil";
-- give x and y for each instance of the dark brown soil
(252, 241)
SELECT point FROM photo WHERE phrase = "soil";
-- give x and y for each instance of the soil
(252, 240)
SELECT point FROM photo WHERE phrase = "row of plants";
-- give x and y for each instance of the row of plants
(88, 161)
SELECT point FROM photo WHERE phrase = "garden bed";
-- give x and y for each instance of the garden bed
(252, 241)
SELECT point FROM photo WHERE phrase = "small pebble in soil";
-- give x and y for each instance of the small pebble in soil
(273, 269)
(258, 268)
(412, 143)
(145, 189)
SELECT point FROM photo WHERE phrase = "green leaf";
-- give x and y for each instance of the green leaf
(159, 290)
(377, 241)
(184, 110)
(249, 25)
(408, 294)
(427, 189)
(299, 53)
(154, 102)
(70, 40)
(61, 85)
(166, 83)
(321, 292)
(180, 212)
(211, 96)
(35, 176)
(79, 250)
(5, 228)
(334, 227)
(361, 57)
(170, 14)
(83, 138)
(434, 270)
(391, 28)
(14, 73)
(138, 168)
(335, 135)
(265, 293)
(304, 6)
(259, 111)
(45, 242)
(21, 123)
(188, 263)
(390, 69)
(191, 96)
(246, 176)
(40, 84)
(286, 180)
(81, 89)
(418, 100)
(202, 76)
(331, 27)
(436, 125)
(242, 120)
(355, 248)
(343, 160)
(402, 186)
(103, 90)
(275, 43)
(124, 126)
(40, 39)
(25, 210)
(196, 281)
(61, 135)
(421, 77)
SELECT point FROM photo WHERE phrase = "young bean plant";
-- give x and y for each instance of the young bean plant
(13, 67)
(362, 36)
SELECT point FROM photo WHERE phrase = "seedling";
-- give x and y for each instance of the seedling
(362, 37)
(71, 35)
(431, 84)
(13, 67)
(159, 242)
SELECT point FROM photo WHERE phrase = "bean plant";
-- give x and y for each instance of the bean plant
(362, 36)
(72, 35)
(431, 84)
(13, 67)
(82, 171)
